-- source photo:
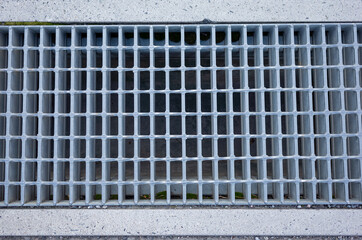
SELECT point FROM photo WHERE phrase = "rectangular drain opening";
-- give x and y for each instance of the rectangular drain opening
(190, 114)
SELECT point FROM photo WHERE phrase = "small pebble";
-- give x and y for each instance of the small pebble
(309, 206)
(299, 206)
(98, 206)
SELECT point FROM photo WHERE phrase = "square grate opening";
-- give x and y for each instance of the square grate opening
(180, 114)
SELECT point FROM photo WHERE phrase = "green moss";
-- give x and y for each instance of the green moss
(191, 196)
(97, 197)
(113, 197)
(28, 23)
(239, 195)
(161, 195)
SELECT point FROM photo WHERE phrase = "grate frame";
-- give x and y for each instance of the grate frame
(294, 136)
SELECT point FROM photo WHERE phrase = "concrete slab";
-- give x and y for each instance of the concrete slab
(181, 11)
(180, 222)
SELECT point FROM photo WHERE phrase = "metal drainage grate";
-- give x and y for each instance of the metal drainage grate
(190, 114)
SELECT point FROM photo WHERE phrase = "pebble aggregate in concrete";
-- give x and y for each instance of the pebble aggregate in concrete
(177, 222)
(192, 238)
(180, 11)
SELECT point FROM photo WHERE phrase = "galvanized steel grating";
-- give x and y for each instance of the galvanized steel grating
(180, 114)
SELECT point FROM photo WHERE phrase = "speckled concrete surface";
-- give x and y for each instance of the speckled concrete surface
(180, 11)
(158, 222)
(186, 238)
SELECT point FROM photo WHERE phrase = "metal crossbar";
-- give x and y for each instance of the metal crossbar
(180, 114)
